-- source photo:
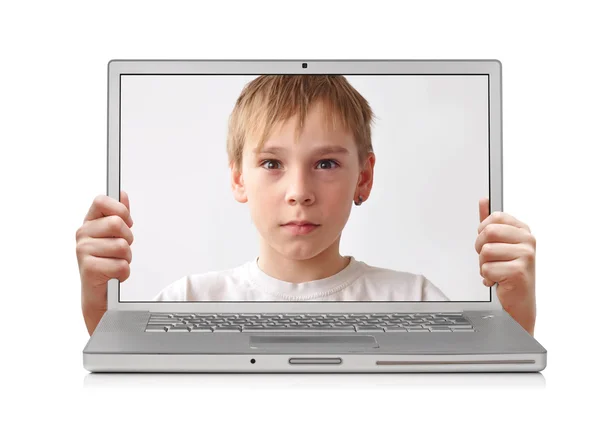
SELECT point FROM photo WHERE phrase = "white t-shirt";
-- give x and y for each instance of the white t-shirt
(356, 282)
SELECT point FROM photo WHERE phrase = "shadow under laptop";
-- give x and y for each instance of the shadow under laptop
(311, 380)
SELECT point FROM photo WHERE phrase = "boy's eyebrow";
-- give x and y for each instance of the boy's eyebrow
(268, 150)
(331, 149)
(327, 149)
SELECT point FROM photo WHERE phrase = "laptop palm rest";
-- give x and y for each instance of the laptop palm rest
(313, 342)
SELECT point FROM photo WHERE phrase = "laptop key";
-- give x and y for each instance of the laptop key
(364, 328)
(202, 330)
(227, 328)
(157, 329)
(320, 330)
(448, 325)
(269, 330)
(179, 329)
(163, 327)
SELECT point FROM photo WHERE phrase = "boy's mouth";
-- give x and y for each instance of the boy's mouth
(300, 227)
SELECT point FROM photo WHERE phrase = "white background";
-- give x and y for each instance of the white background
(53, 140)
(430, 138)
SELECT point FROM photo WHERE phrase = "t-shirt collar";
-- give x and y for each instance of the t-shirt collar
(303, 291)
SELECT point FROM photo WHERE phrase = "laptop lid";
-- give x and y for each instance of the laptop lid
(437, 144)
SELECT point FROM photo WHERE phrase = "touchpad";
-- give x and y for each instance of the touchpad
(314, 342)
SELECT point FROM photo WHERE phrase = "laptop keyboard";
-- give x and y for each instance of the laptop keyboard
(315, 322)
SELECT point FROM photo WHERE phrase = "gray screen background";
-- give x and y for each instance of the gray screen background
(430, 139)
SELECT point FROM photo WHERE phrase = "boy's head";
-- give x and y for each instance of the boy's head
(272, 99)
(300, 149)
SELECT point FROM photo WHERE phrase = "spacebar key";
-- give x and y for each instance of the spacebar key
(322, 329)
(226, 328)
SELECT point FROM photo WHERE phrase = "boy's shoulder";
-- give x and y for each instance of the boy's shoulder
(398, 280)
(206, 286)
(215, 275)
(219, 277)
(391, 274)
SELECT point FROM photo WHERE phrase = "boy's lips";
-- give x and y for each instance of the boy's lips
(300, 223)
(300, 227)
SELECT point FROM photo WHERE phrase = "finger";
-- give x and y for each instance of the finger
(125, 200)
(497, 251)
(502, 218)
(107, 227)
(103, 269)
(104, 206)
(484, 209)
(116, 248)
(488, 283)
(503, 253)
(502, 233)
(497, 272)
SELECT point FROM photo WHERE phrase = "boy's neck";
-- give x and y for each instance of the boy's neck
(325, 264)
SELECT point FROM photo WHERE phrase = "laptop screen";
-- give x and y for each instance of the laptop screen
(304, 187)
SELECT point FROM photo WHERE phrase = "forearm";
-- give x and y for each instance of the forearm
(525, 316)
(92, 309)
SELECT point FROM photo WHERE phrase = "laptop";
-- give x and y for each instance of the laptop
(306, 216)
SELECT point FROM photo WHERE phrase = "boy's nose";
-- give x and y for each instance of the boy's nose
(297, 196)
(299, 192)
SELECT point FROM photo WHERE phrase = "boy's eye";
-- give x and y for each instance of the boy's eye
(270, 164)
(325, 164)
(328, 164)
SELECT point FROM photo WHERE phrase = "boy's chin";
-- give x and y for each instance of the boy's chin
(300, 253)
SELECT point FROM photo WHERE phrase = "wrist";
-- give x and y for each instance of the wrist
(92, 314)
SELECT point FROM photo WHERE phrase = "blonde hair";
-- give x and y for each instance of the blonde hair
(269, 99)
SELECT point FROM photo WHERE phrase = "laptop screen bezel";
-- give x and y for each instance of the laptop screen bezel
(492, 68)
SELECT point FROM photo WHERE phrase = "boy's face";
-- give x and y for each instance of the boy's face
(300, 193)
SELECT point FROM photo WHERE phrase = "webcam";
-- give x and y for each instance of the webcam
(304, 65)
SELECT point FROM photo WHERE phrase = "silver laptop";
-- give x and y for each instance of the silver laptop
(306, 216)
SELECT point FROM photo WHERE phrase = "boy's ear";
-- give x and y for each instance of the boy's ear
(237, 184)
(365, 178)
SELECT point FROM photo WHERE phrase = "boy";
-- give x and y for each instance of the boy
(300, 154)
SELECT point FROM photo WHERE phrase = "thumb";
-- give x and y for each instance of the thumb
(125, 200)
(484, 209)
